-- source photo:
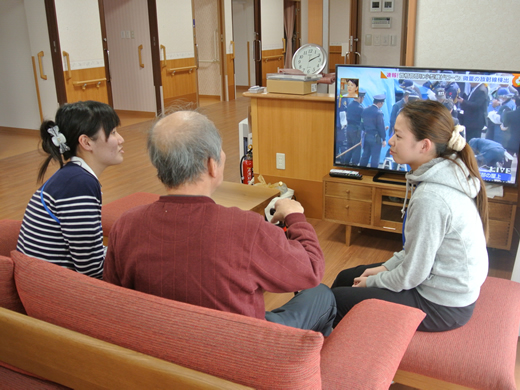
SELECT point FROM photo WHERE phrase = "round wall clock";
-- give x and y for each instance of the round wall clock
(310, 59)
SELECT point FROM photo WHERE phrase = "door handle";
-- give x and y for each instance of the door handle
(139, 49)
(40, 63)
(163, 48)
(69, 72)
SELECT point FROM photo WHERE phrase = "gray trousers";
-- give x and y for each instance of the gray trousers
(313, 309)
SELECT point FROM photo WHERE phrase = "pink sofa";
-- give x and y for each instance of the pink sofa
(363, 352)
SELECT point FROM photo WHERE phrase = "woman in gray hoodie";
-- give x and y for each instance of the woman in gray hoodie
(444, 258)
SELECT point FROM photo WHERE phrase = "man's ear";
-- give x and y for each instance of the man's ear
(84, 142)
(212, 167)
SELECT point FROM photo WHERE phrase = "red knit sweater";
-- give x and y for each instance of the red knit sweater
(189, 249)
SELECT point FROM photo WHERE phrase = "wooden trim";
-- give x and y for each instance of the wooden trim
(315, 21)
(82, 362)
(156, 53)
(424, 382)
(410, 29)
(106, 58)
(37, 88)
(139, 114)
(57, 63)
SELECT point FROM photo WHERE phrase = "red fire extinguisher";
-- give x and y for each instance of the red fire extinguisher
(246, 167)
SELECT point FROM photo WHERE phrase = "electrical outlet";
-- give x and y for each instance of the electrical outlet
(280, 160)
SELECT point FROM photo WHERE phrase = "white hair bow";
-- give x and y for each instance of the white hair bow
(58, 139)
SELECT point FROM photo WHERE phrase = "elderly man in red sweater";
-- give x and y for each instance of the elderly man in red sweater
(187, 248)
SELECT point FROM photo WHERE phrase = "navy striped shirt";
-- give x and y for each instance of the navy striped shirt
(73, 196)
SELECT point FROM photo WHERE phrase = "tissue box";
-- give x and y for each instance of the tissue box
(295, 87)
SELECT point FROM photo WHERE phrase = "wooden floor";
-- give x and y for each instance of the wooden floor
(20, 159)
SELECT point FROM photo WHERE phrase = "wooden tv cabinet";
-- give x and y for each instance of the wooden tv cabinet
(374, 205)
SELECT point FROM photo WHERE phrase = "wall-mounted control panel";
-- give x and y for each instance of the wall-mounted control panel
(382, 22)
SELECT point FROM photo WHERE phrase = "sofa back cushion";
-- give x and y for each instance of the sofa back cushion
(244, 350)
(8, 294)
(9, 231)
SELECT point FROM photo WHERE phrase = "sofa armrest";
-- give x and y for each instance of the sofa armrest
(82, 362)
(365, 349)
(9, 231)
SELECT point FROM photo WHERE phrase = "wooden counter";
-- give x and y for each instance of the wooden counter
(301, 127)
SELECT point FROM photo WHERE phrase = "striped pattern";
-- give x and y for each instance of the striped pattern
(241, 349)
(74, 196)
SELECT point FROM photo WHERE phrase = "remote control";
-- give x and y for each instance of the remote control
(346, 174)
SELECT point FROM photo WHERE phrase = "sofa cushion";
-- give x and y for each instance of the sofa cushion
(8, 294)
(482, 353)
(244, 350)
(9, 231)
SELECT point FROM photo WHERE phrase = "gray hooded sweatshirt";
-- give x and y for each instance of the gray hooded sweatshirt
(444, 255)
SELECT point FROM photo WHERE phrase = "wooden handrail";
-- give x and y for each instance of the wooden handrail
(139, 49)
(69, 72)
(88, 82)
(284, 46)
(267, 58)
(163, 48)
(182, 69)
(335, 52)
(40, 63)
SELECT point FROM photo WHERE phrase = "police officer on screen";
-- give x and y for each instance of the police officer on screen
(374, 129)
(353, 134)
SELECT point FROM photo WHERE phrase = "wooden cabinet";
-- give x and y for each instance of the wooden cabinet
(374, 205)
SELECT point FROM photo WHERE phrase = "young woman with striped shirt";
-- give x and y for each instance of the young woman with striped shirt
(62, 222)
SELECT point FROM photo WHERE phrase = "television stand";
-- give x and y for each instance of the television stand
(377, 205)
(384, 177)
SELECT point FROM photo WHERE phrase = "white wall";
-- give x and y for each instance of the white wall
(80, 33)
(175, 19)
(339, 22)
(18, 102)
(272, 24)
(473, 34)
(243, 24)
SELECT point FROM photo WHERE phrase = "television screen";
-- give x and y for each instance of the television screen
(369, 98)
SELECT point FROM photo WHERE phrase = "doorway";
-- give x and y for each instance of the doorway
(79, 40)
(209, 49)
(243, 36)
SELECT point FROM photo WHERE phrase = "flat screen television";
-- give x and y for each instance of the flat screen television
(489, 112)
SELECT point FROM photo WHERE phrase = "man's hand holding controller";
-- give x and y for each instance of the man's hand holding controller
(284, 207)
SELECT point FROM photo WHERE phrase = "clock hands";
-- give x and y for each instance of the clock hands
(314, 58)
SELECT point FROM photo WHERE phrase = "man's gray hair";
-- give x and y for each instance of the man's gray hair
(180, 151)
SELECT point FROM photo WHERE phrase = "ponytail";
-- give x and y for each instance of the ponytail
(49, 148)
(468, 158)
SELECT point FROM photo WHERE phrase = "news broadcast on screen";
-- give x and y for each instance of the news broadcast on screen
(485, 102)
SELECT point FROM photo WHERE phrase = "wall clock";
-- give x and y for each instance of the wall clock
(310, 59)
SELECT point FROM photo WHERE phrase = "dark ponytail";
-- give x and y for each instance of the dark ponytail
(74, 120)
